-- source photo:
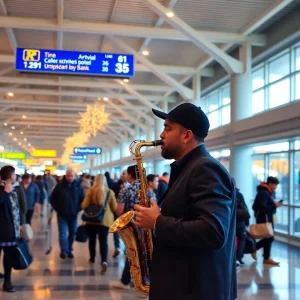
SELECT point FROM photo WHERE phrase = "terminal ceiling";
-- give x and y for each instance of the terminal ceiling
(51, 103)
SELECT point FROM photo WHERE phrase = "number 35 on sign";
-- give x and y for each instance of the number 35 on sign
(122, 66)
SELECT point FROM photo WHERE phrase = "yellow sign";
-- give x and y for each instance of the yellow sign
(13, 155)
(31, 55)
(50, 168)
(43, 153)
(30, 162)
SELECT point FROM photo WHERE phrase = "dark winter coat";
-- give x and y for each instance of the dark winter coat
(7, 230)
(242, 213)
(194, 248)
(66, 199)
(264, 205)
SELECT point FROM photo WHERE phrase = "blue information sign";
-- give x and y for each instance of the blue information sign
(77, 156)
(78, 161)
(87, 150)
(74, 62)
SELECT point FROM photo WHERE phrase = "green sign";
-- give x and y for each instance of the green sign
(13, 155)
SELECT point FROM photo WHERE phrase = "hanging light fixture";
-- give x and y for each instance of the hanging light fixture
(94, 119)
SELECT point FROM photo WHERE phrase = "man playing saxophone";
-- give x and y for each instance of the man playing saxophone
(194, 232)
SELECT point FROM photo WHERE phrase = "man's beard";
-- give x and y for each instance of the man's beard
(166, 154)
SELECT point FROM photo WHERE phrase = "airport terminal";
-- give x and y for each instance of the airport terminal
(142, 143)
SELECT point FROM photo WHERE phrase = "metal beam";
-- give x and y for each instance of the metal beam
(113, 29)
(230, 64)
(248, 30)
(72, 93)
(79, 83)
(139, 96)
(133, 108)
(9, 31)
(183, 90)
(158, 23)
(278, 6)
(78, 107)
(123, 113)
(126, 127)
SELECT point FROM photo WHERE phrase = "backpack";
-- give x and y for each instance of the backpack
(95, 213)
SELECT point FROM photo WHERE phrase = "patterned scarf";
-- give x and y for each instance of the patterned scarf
(15, 210)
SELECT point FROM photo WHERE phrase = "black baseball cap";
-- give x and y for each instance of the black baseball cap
(189, 116)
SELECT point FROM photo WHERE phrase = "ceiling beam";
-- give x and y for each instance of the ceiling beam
(248, 30)
(126, 115)
(74, 93)
(133, 92)
(71, 106)
(170, 4)
(9, 31)
(79, 83)
(184, 91)
(134, 108)
(113, 29)
(230, 64)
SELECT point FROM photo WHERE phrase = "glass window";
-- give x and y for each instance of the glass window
(296, 221)
(279, 167)
(297, 86)
(281, 219)
(214, 119)
(258, 79)
(258, 172)
(225, 115)
(297, 145)
(203, 103)
(296, 189)
(213, 101)
(226, 95)
(298, 59)
(258, 102)
(279, 93)
(278, 147)
(279, 68)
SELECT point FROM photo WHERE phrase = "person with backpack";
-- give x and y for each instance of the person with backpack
(100, 195)
(264, 207)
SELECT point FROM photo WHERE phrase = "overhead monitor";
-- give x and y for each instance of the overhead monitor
(74, 62)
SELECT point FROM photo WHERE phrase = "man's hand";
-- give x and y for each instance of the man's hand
(278, 204)
(146, 216)
(8, 188)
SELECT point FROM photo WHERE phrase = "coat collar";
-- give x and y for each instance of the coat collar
(196, 152)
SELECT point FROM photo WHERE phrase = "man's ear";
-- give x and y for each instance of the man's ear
(188, 136)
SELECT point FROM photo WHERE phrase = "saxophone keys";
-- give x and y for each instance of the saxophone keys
(131, 253)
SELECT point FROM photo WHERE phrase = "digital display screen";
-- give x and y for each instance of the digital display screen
(74, 62)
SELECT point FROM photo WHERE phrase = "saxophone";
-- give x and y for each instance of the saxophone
(138, 241)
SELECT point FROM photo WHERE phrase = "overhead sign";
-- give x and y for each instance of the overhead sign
(78, 156)
(78, 161)
(87, 150)
(74, 62)
(30, 162)
(43, 153)
(13, 155)
(50, 168)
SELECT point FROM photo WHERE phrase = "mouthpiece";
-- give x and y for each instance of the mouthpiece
(157, 143)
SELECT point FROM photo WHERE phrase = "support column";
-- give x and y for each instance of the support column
(241, 87)
(197, 89)
(241, 169)
(240, 96)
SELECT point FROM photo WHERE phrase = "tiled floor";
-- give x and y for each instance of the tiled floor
(51, 278)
